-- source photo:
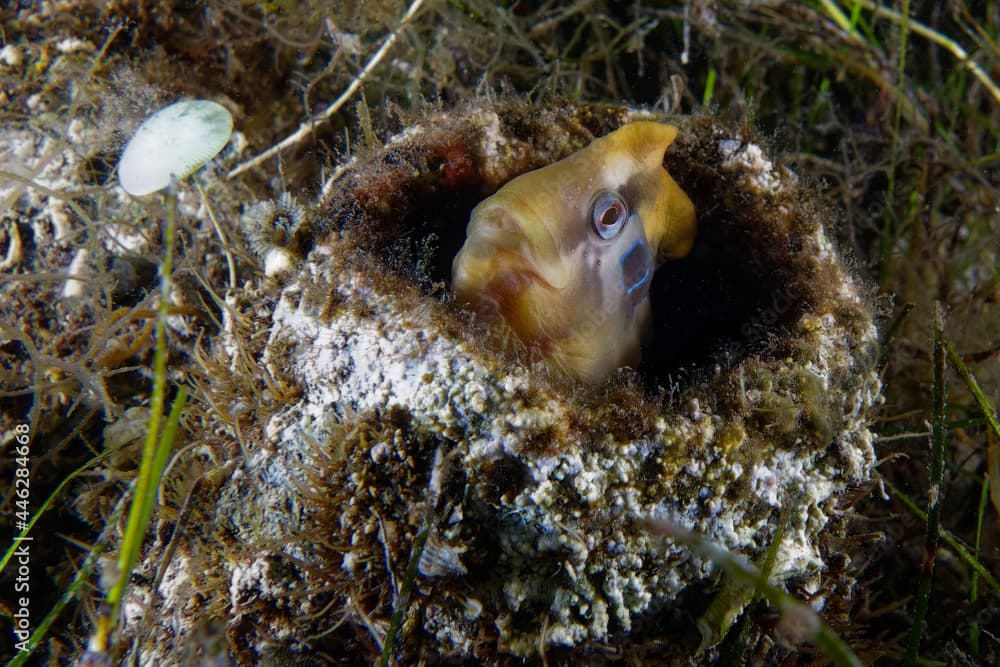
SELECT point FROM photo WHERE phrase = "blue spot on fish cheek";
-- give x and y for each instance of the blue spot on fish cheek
(636, 268)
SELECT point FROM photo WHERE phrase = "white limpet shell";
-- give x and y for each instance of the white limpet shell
(173, 143)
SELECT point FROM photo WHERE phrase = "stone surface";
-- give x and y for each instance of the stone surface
(370, 412)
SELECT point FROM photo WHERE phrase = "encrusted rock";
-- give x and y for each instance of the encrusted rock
(384, 417)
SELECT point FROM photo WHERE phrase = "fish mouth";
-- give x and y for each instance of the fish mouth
(516, 240)
(496, 265)
(636, 268)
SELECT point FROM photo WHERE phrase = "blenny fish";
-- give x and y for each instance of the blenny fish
(566, 253)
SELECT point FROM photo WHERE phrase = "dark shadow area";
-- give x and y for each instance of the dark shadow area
(735, 294)
(441, 218)
(720, 304)
(716, 306)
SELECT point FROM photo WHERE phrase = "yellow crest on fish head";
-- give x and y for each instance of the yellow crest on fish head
(566, 253)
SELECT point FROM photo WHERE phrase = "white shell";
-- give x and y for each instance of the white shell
(173, 142)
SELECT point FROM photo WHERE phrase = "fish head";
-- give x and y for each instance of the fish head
(566, 253)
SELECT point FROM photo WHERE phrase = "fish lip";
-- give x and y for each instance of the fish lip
(500, 232)
(495, 227)
(636, 269)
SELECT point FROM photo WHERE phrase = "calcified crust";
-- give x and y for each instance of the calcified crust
(373, 417)
(533, 255)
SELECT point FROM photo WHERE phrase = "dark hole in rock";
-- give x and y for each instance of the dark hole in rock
(718, 305)
(736, 293)
(503, 476)
(445, 215)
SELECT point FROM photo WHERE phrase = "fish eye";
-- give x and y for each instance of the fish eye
(608, 214)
